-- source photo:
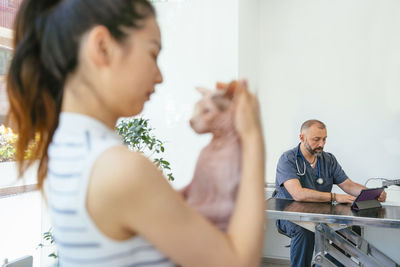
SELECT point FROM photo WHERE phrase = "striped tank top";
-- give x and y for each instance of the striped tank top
(77, 143)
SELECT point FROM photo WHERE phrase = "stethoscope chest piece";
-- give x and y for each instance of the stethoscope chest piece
(320, 180)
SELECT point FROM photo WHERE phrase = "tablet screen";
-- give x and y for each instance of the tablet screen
(369, 194)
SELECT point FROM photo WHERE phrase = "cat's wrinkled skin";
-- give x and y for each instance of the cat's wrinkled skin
(214, 186)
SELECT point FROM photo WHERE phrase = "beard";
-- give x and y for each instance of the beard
(316, 151)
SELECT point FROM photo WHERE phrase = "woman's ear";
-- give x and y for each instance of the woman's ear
(100, 46)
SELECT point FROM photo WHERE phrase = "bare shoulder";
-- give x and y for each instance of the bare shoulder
(120, 182)
(120, 169)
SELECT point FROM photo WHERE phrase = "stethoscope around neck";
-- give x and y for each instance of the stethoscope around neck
(319, 179)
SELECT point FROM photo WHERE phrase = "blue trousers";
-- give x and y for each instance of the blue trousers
(301, 243)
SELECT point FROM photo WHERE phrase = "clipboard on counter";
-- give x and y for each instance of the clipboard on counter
(367, 199)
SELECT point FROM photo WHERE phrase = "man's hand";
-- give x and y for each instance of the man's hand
(344, 198)
(382, 196)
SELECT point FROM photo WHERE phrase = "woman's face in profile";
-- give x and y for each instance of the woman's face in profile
(135, 70)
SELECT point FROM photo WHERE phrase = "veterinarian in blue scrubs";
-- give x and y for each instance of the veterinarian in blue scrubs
(307, 173)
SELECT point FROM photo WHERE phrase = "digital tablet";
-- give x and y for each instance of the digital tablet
(368, 198)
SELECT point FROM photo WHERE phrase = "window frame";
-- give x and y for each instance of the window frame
(13, 191)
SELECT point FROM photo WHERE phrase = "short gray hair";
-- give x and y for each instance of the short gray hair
(307, 124)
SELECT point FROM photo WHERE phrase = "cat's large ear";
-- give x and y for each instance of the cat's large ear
(203, 90)
(228, 89)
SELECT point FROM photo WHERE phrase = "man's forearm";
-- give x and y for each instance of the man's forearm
(310, 195)
(355, 190)
(351, 187)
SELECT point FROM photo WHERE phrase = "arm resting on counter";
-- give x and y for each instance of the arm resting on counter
(299, 193)
(354, 189)
(351, 187)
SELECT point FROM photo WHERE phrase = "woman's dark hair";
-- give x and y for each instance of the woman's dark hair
(46, 43)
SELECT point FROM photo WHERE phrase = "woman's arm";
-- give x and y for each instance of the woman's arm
(133, 198)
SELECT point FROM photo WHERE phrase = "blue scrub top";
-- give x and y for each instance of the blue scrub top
(330, 170)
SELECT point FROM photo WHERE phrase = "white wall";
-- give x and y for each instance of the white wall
(337, 61)
(20, 227)
(249, 42)
(200, 44)
(20, 224)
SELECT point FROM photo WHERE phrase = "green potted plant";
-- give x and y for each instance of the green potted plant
(138, 136)
(48, 241)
